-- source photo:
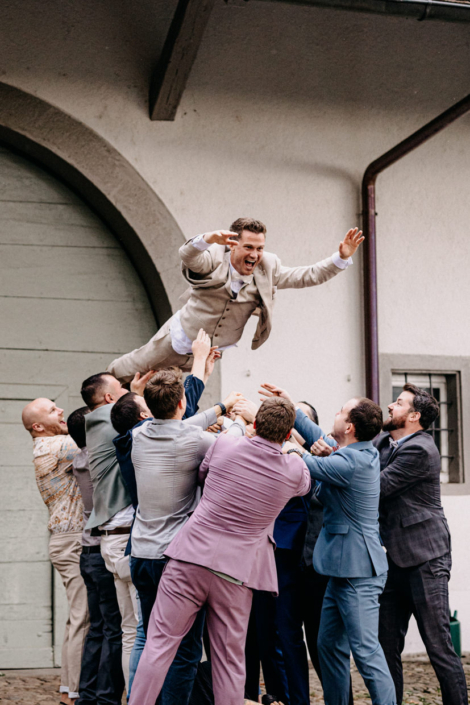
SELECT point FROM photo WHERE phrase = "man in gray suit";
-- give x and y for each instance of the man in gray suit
(348, 549)
(230, 278)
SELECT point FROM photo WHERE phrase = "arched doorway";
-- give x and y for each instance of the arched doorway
(70, 301)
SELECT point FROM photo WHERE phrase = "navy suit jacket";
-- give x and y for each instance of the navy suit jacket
(291, 525)
(349, 544)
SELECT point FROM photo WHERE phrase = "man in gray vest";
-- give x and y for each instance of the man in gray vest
(113, 512)
(231, 278)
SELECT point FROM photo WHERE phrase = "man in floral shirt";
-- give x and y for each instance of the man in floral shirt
(53, 453)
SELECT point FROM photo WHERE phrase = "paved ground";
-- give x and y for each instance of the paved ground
(40, 687)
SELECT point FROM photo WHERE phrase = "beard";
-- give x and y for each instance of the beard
(392, 424)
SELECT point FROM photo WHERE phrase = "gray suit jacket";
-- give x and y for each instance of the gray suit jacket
(208, 273)
(412, 522)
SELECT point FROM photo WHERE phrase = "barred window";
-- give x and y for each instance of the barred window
(445, 387)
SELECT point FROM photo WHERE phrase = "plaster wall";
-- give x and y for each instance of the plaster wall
(284, 109)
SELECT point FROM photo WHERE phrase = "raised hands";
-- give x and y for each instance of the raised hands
(201, 347)
(221, 237)
(232, 399)
(247, 409)
(210, 362)
(270, 390)
(321, 448)
(351, 242)
(139, 382)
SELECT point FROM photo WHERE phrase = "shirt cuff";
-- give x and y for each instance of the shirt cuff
(199, 243)
(341, 263)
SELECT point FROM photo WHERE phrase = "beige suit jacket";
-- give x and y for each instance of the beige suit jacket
(207, 299)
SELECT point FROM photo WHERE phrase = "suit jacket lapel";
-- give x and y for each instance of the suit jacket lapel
(263, 285)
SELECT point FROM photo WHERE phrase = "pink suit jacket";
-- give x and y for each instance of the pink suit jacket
(247, 483)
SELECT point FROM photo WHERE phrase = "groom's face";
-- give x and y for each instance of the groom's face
(248, 252)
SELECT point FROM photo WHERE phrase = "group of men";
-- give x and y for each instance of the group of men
(164, 521)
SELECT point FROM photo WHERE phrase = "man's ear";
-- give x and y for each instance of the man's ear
(144, 415)
(37, 427)
(181, 403)
(417, 416)
(109, 398)
(254, 424)
(289, 435)
(350, 430)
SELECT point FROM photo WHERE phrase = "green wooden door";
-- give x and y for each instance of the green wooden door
(70, 301)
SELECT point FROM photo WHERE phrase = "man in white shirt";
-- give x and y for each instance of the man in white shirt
(231, 277)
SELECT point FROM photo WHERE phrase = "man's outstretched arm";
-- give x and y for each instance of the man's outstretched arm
(195, 253)
(312, 275)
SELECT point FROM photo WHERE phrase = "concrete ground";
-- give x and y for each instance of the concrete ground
(41, 686)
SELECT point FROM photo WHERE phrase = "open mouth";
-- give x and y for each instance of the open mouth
(250, 263)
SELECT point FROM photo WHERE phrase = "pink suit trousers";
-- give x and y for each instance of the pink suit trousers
(183, 590)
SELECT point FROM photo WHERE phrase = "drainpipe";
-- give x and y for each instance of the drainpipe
(369, 227)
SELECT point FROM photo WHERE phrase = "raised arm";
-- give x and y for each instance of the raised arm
(335, 469)
(196, 254)
(315, 274)
(309, 430)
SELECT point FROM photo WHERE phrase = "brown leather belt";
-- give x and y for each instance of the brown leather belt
(118, 530)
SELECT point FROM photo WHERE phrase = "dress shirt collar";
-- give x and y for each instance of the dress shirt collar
(237, 277)
(257, 440)
(395, 444)
(359, 445)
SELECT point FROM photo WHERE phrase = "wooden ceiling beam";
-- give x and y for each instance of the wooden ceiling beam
(177, 58)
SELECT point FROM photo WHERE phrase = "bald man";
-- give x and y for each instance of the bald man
(53, 453)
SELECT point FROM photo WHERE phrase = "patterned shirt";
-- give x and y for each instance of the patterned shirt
(53, 456)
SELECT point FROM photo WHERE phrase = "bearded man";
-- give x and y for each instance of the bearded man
(231, 278)
(416, 535)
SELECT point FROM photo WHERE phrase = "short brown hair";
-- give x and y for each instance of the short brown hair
(425, 404)
(367, 419)
(163, 392)
(275, 418)
(250, 224)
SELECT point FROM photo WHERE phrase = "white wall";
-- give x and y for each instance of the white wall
(284, 109)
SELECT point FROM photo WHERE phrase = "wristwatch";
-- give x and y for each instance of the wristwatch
(223, 407)
(294, 450)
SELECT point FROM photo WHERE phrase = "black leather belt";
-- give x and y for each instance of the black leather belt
(91, 549)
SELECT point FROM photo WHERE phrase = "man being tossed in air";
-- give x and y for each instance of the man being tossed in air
(231, 277)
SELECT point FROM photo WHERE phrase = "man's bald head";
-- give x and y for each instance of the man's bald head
(42, 417)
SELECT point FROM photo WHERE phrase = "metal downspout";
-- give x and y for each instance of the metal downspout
(369, 228)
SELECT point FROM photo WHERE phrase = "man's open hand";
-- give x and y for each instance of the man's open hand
(321, 448)
(351, 242)
(201, 347)
(221, 237)
(210, 362)
(139, 382)
(270, 390)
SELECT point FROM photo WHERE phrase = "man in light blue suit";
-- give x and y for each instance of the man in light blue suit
(347, 470)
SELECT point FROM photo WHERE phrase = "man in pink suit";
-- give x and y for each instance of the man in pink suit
(223, 552)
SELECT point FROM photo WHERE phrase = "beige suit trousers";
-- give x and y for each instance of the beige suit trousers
(157, 354)
(112, 550)
(64, 552)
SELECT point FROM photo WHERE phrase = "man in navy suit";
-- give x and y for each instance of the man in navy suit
(348, 549)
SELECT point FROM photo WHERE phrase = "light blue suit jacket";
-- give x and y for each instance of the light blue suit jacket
(348, 486)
